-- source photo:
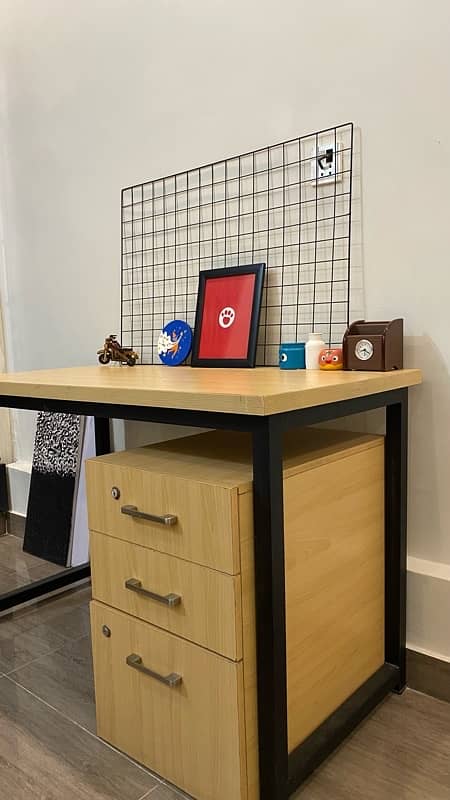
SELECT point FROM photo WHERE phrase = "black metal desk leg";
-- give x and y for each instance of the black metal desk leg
(102, 436)
(396, 466)
(4, 500)
(270, 609)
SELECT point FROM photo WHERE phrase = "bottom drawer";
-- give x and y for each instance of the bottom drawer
(188, 727)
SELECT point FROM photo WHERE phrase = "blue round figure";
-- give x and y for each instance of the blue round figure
(292, 355)
(174, 343)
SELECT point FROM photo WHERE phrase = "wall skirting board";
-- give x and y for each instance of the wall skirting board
(428, 675)
(428, 608)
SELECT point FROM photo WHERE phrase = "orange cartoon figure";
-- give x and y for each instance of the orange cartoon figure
(331, 358)
(175, 343)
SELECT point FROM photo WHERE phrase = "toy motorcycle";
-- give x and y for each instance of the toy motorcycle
(112, 350)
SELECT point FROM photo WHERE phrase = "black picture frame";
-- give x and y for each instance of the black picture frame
(206, 275)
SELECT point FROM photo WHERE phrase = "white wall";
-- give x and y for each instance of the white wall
(103, 94)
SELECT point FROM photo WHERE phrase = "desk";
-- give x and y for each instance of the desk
(265, 402)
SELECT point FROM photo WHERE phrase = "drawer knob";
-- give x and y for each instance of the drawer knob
(164, 519)
(171, 680)
(170, 600)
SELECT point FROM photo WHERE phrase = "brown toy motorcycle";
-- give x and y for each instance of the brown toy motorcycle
(112, 350)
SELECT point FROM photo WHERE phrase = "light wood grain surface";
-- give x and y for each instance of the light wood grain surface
(210, 609)
(224, 458)
(206, 530)
(334, 532)
(334, 553)
(262, 391)
(193, 734)
(334, 549)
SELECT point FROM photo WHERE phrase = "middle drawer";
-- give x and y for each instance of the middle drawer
(195, 602)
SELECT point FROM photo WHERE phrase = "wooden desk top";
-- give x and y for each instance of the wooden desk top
(261, 391)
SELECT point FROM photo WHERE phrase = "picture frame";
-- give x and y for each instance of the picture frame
(227, 316)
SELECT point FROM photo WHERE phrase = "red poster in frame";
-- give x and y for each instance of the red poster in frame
(227, 318)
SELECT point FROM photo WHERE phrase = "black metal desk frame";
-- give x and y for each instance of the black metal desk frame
(281, 772)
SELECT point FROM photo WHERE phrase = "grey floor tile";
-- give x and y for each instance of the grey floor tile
(166, 792)
(43, 627)
(12, 557)
(9, 580)
(400, 751)
(18, 568)
(79, 597)
(20, 645)
(44, 570)
(67, 615)
(64, 679)
(43, 755)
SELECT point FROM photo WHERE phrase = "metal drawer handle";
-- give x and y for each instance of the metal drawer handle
(168, 599)
(165, 519)
(171, 680)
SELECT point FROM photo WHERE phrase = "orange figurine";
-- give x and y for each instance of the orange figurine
(331, 358)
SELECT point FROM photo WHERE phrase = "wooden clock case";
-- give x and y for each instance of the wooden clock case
(386, 339)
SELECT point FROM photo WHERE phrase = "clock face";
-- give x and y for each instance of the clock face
(363, 349)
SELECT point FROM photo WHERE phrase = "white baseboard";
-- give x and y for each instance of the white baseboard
(428, 608)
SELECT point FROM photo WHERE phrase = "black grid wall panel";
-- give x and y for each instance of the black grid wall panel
(264, 206)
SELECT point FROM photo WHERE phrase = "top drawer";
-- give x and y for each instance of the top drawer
(206, 527)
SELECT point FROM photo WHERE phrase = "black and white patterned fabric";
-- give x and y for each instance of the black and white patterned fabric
(56, 460)
(56, 443)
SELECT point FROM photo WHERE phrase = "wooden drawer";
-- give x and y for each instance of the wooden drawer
(206, 530)
(209, 612)
(192, 733)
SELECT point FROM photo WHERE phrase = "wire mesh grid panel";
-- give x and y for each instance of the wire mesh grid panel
(286, 205)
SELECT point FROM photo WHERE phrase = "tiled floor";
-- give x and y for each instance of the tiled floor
(18, 568)
(48, 748)
(401, 752)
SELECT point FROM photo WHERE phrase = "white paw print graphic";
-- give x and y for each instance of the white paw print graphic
(227, 317)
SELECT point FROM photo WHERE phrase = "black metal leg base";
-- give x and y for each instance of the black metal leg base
(308, 755)
(37, 589)
(399, 689)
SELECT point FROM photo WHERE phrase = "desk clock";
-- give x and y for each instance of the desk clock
(374, 346)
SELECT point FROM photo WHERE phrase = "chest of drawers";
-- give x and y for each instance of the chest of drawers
(173, 615)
